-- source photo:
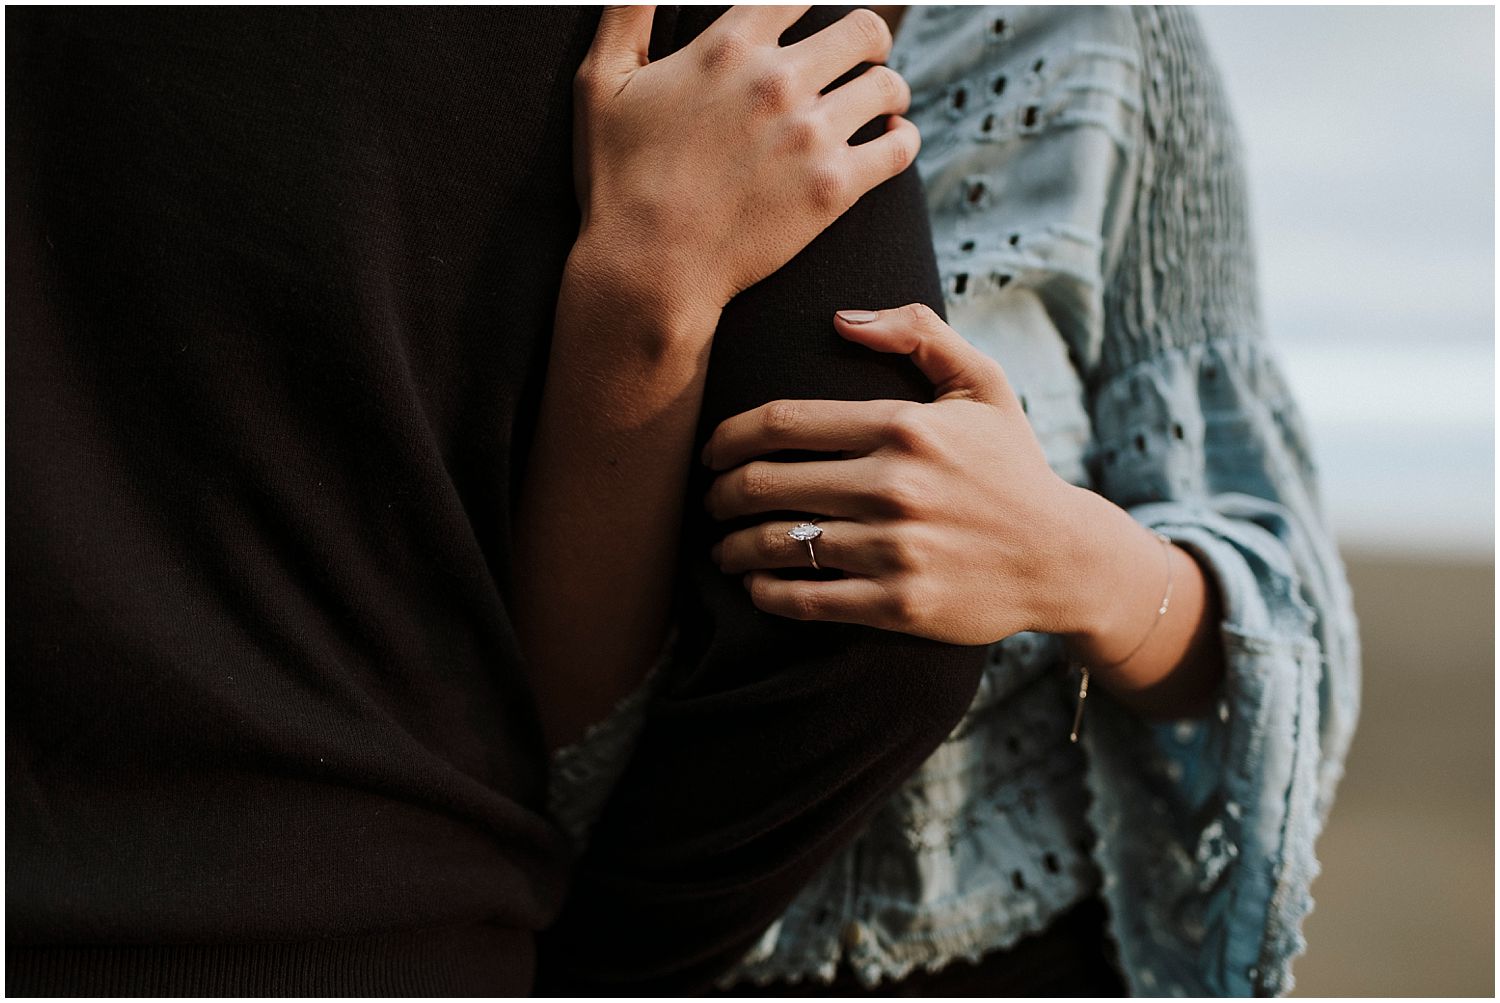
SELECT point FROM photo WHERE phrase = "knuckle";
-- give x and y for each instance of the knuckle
(889, 85)
(782, 418)
(922, 317)
(871, 31)
(760, 590)
(772, 90)
(970, 374)
(908, 428)
(726, 51)
(899, 553)
(770, 540)
(827, 189)
(980, 375)
(803, 603)
(757, 481)
(903, 151)
(908, 601)
(803, 132)
(905, 496)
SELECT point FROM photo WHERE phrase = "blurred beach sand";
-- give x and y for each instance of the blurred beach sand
(1405, 903)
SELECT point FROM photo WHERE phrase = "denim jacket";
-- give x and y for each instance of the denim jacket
(1088, 208)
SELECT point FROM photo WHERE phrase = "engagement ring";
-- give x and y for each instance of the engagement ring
(806, 532)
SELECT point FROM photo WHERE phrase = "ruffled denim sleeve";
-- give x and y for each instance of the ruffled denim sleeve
(1207, 828)
(1091, 196)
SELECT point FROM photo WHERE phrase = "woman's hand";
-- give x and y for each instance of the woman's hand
(945, 517)
(948, 523)
(704, 172)
(698, 175)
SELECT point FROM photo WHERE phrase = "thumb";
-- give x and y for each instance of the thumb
(955, 367)
(623, 40)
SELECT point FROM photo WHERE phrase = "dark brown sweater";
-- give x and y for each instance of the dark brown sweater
(280, 287)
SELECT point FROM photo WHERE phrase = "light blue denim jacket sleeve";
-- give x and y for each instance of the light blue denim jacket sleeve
(1085, 188)
(1111, 196)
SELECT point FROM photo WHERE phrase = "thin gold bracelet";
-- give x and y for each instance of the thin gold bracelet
(1166, 600)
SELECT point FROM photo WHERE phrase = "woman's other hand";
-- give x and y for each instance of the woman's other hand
(703, 172)
(948, 523)
(945, 517)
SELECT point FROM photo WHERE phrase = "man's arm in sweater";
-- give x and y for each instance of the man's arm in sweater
(771, 741)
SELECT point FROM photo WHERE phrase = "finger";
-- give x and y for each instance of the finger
(764, 24)
(623, 39)
(834, 488)
(821, 426)
(955, 367)
(878, 91)
(843, 600)
(860, 36)
(855, 547)
(885, 156)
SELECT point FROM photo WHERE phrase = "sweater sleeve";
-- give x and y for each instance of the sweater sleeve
(769, 741)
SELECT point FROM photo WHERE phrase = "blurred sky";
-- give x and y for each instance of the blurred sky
(1370, 139)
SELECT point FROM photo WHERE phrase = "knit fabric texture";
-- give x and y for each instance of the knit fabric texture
(281, 285)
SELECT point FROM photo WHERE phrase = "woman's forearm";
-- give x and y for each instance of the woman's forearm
(597, 527)
(1160, 665)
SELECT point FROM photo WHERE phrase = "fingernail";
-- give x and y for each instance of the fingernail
(857, 316)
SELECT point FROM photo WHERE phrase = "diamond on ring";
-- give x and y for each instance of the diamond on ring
(806, 532)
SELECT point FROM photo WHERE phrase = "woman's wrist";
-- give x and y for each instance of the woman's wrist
(1114, 580)
(664, 305)
(1161, 664)
(597, 522)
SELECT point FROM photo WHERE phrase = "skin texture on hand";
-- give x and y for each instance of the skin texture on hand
(948, 523)
(710, 168)
(698, 175)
